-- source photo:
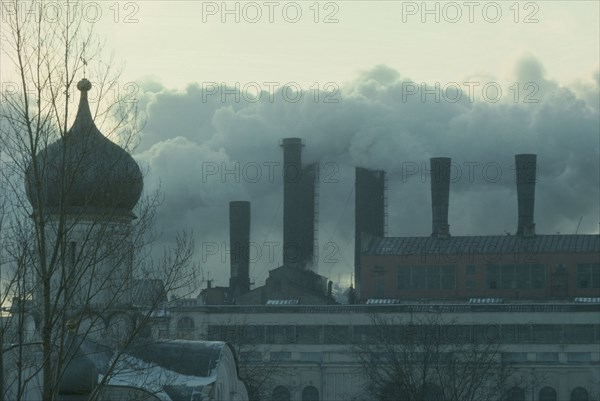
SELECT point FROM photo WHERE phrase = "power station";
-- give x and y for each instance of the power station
(440, 267)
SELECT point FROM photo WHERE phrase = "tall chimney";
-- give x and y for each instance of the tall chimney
(440, 195)
(526, 165)
(239, 243)
(308, 203)
(369, 211)
(292, 201)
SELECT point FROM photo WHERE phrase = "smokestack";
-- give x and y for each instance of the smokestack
(292, 201)
(239, 243)
(308, 206)
(369, 211)
(440, 195)
(526, 165)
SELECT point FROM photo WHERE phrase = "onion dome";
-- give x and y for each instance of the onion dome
(84, 172)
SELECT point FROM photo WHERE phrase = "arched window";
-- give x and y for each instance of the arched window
(515, 394)
(547, 394)
(185, 323)
(310, 393)
(580, 394)
(280, 393)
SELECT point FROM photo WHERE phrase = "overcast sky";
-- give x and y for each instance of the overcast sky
(502, 78)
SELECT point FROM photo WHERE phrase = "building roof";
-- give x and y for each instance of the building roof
(433, 306)
(173, 370)
(492, 244)
(84, 171)
(189, 358)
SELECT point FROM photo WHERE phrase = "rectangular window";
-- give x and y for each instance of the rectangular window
(419, 278)
(282, 334)
(493, 276)
(523, 276)
(579, 334)
(281, 356)
(538, 276)
(364, 334)
(433, 278)
(507, 273)
(514, 357)
(251, 356)
(515, 333)
(404, 278)
(455, 334)
(596, 275)
(588, 275)
(546, 357)
(311, 356)
(426, 277)
(309, 334)
(337, 334)
(251, 334)
(579, 357)
(448, 277)
(222, 333)
(548, 333)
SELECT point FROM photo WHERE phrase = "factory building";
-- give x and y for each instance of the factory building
(296, 280)
(552, 346)
(536, 296)
(523, 266)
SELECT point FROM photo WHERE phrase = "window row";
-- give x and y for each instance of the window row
(448, 334)
(441, 277)
(516, 393)
(546, 357)
(523, 276)
(545, 394)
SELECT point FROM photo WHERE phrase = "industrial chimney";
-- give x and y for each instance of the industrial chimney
(239, 243)
(298, 206)
(440, 195)
(526, 165)
(369, 211)
(308, 233)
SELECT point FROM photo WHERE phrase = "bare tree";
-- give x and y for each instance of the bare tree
(248, 342)
(431, 359)
(75, 228)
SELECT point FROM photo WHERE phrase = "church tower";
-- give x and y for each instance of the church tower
(83, 188)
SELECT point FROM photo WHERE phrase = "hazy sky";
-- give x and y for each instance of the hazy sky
(512, 77)
(179, 42)
(369, 54)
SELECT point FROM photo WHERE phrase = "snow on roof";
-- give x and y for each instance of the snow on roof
(194, 358)
(282, 302)
(172, 370)
(166, 384)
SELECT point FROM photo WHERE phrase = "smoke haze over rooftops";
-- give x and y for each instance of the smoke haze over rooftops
(205, 152)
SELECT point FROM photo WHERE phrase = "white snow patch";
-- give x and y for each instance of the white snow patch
(131, 371)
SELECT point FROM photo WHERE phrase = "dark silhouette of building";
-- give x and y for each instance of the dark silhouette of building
(369, 210)
(525, 266)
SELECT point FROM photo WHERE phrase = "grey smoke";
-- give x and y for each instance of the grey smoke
(371, 126)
